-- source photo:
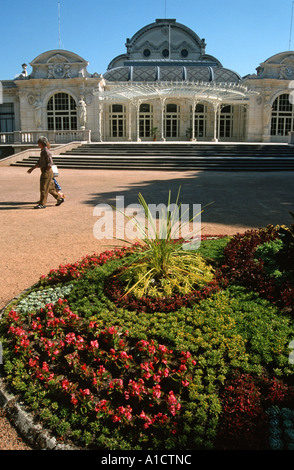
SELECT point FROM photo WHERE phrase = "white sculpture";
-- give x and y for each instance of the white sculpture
(38, 113)
(82, 113)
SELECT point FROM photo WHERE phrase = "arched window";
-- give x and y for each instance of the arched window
(145, 120)
(200, 120)
(117, 120)
(61, 113)
(282, 116)
(172, 120)
(226, 122)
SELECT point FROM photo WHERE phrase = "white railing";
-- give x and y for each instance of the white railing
(54, 137)
(6, 138)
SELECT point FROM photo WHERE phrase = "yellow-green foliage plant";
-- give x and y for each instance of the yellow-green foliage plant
(161, 266)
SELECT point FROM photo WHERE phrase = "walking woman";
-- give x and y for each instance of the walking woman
(47, 186)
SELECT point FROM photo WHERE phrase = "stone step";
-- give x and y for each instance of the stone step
(185, 156)
(180, 150)
(179, 164)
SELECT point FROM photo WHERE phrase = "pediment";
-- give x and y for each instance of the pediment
(288, 60)
(57, 58)
(59, 64)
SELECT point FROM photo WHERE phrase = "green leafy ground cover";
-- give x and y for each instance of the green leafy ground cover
(201, 369)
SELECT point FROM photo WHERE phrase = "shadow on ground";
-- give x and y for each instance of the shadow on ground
(253, 199)
(10, 205)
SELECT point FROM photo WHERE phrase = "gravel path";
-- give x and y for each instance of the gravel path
(34, 241)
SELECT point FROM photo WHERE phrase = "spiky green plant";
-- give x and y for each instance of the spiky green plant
(164, 264)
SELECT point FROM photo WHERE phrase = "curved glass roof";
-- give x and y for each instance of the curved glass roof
(195, 91)
(152, 73)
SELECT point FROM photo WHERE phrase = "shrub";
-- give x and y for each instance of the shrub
(185, 273)
(251, 413)
(242, 265)
(243, 419)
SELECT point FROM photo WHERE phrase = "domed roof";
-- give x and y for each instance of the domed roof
(167, 51)
(152, 73)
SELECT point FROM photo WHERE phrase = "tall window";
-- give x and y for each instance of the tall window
(200, 120)
(7, 117)
(145, 120)
(117, 121)
(282, 116)
(172, 120)
(61, 113)
(226, 122)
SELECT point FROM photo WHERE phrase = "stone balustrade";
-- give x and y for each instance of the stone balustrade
(54, 137)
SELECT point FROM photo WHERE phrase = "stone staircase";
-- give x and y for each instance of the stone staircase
(169, 156)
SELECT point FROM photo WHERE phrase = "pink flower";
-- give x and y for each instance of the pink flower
(171, 397)
(33, 362)
(166, 372)
(156, 391)
(74, 400)
(112, 330)
(25, 343)
(70, 338)
(125, 411)
(173, 404)
(45, 367)
(101, 406)
(65, 384)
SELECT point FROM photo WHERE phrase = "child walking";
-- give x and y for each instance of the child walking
(58, 188)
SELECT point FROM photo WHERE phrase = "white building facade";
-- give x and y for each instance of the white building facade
(165, 87)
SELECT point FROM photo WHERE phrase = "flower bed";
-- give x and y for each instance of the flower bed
(101, 373)
(198, 371)
(243, 265)
(115, 290)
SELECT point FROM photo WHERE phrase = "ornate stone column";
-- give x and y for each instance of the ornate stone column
(216, 107)
(267, 115)
(138, 104)
(194, 104)
(100, 120)
(130, 121)
(38, 112)
(162, 104)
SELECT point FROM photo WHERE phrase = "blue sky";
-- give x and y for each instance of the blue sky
(240, 35)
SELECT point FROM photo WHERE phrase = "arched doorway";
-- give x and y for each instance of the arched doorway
(200, 120)
(226, 122)
(282, 116)
(117, 120)
(145, 120)
(172, 121)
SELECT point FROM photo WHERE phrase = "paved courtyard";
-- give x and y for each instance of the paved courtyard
(34, 241)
